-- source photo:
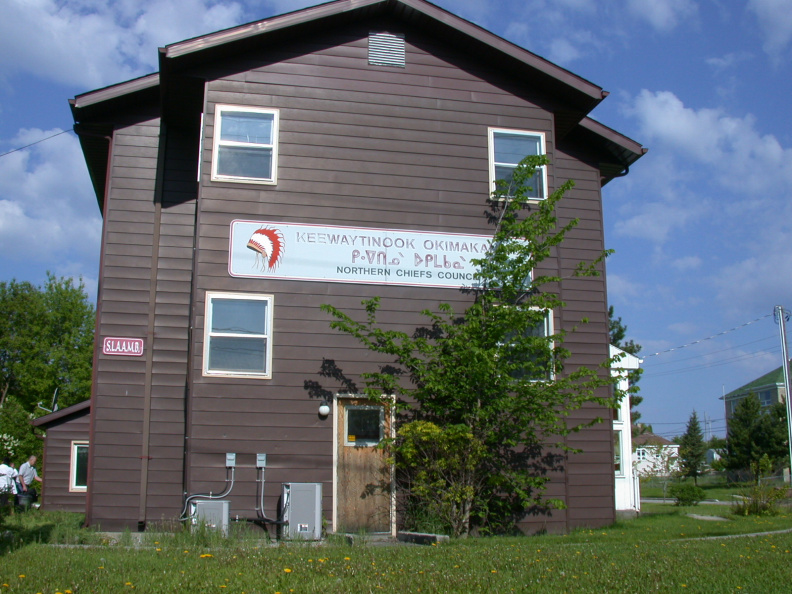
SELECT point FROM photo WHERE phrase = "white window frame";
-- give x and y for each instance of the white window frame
(267, 336)
(73, 487)
(641, 454)
(218, 144)
(368, 443)
(618, 450)
(542, 151)
(549, 331)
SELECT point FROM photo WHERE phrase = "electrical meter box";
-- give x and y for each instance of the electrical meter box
(213, 514)
(301, 511)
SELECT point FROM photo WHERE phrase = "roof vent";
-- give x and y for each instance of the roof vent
(386, 49)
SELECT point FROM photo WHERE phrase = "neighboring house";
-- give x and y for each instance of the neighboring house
(628, 494)
(654, 455)
(769, 389)
(329, 155)
(64, 467)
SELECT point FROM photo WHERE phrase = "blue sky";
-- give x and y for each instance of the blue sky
(701, 226)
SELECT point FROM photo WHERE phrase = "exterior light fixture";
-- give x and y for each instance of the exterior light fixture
(324, 409)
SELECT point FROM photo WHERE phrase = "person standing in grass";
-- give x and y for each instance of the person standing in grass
(8, 475)
(28, 474)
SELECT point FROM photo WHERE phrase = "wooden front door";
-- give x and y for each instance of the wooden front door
(363, 485)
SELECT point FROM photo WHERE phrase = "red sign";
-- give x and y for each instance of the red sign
(128, 347)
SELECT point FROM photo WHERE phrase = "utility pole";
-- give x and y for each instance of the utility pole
(780, 315)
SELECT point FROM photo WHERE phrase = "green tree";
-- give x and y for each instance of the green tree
(618, 333)
(692, 449)
(18, 441)
(492, 370)
(753, 433)
(46, 342)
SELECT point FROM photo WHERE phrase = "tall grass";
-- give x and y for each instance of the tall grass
(660, 551)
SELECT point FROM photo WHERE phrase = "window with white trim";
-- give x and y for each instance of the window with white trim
(641, 454)
(537, 358)
(617, 453)
(245, 144)
(238, 335)
(507, 148)
(78, 467)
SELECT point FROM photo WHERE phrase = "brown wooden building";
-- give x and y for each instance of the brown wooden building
(358, 144)
(65, 463)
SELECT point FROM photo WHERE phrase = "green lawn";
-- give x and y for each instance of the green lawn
(715, 488)
(659, 551)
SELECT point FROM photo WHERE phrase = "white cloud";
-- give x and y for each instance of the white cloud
(663, 15)
(728, 61)
(742, 160)
(48, 211)
(775, 20)
(684, 328)
(91, 44)
(621, 289)
(761, 280)
(686, 263)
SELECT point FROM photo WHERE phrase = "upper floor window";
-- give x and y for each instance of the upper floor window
(238, 334)
(245, 144)
(507, 148)
(641, 454)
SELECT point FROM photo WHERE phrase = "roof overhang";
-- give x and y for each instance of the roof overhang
(75, 409)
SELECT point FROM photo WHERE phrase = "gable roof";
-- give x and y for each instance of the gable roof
(772, 378)
(651, 439)
(175, 87)
(83, 407)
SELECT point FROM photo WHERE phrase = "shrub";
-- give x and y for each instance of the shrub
(686, 494)
(759, 500)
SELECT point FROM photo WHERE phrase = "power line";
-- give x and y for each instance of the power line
(32, 143)
(708, 337)
(713, 364)
(772, 337)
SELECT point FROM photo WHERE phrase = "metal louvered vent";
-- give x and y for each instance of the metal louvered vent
(386, 49)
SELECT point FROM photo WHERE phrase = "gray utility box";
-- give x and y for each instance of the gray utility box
(301, 511)
(213, 514)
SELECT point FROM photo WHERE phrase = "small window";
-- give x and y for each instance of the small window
(617, 453)
(641, 454)
(245, 145)
(78, 467)
(238, 335)
(507, 148)
(364, 425)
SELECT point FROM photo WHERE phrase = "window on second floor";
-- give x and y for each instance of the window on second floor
(507, 148)
(237, 336)
(245, 144)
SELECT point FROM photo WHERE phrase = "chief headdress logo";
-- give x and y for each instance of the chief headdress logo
(269, 247)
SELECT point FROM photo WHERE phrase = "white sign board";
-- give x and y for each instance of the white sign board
(267, 249)
(125, 347)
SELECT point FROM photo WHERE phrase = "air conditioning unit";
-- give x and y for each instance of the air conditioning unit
(213, 514)
(301, 511)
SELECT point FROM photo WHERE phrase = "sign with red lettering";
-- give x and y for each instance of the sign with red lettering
(127, 347)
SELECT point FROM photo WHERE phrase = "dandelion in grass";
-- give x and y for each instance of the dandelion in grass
(207, 556)
(287, 570)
